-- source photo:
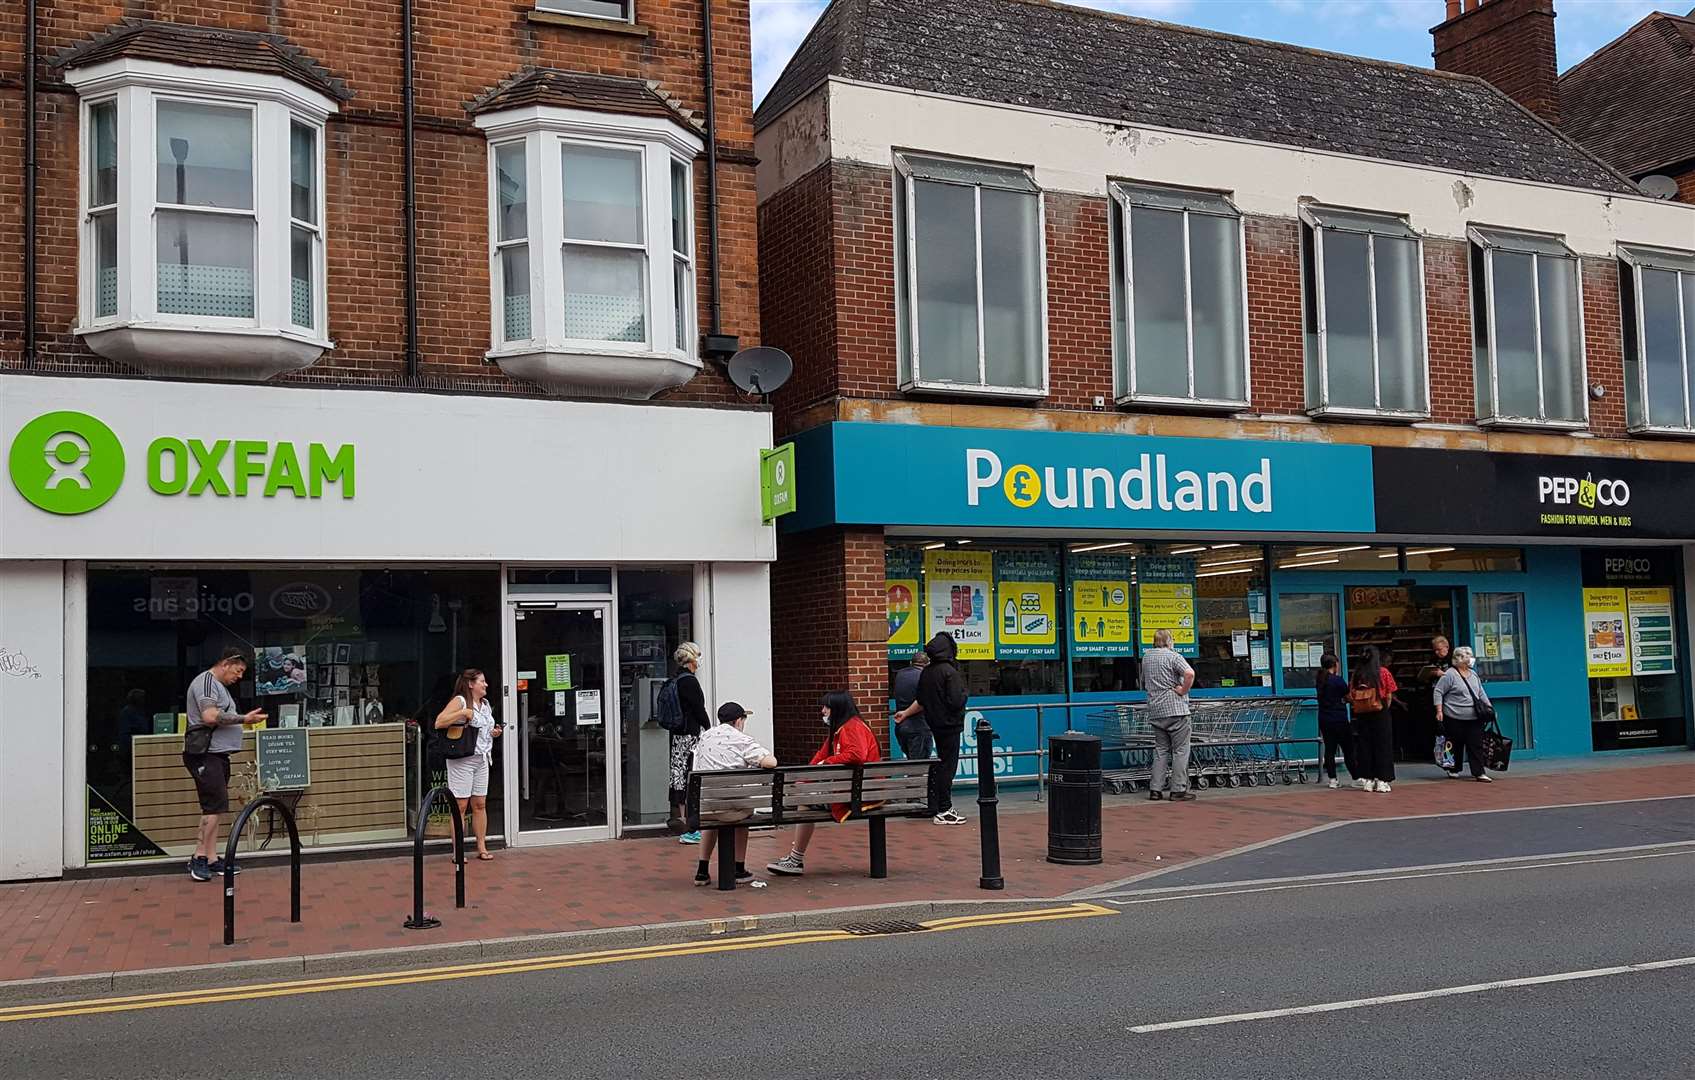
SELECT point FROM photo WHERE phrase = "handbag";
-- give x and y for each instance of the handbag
(197, 740)
(1367, 699)
(1497, 748)
(1485, 709)
(1444, 754)
(462, 745)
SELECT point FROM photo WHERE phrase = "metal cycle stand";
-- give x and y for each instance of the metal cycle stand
(229, 862)
(420, 921)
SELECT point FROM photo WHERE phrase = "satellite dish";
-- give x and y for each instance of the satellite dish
(761, 369)
(1659, 186)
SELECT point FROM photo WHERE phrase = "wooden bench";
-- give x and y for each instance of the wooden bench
(734, 798)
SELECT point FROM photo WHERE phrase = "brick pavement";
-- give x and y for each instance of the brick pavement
(141, 922)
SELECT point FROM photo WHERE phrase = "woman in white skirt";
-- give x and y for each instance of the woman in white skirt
(467, 777)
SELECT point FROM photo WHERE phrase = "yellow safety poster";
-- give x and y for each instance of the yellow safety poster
(958, 586)
(1604, 622)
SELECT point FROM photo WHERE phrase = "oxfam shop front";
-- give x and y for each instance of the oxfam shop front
(1053, 557)
(360, 547)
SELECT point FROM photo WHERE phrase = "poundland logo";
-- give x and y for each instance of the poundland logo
(1147, 485)
(70, 463)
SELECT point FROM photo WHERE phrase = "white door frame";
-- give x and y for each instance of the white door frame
(515, 601)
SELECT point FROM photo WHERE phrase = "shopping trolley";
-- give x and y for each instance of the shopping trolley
(1234, 742)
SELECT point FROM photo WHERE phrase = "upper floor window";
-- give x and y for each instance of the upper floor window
(1179, 331)
(969, 271)
(202, 219)
(1363, 283)
(591, 249)
(1657, 302)
(1527, 330)
(619, 10)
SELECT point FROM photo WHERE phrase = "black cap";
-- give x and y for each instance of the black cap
(730, 712)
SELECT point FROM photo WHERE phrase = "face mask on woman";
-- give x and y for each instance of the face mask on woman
(825, 717)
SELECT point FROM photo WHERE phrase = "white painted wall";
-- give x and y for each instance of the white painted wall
(32, 688)
(1078, 154)
(741, 647)
(439, 477)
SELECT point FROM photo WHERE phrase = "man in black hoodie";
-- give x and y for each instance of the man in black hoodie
(941, 699)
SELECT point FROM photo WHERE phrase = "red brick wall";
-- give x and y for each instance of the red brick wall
(1447, 305)
(1686, 185)
(1604, 345)
(797, 274)
(1276, 347)
(462, 48)
(1511, 44)
(865, 281)
(1079, 301)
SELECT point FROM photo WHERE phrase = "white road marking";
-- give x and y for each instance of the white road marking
(1322, 881)
(1420, 995)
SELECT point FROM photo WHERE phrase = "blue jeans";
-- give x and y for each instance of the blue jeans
(914, 738)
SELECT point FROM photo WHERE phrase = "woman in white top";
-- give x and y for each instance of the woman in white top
(467, 777)
(1458, 693)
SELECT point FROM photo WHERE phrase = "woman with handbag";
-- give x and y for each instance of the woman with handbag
(1463, 709)
(468, 732)
(1370, 693)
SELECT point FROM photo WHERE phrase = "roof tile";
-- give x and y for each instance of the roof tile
(204, 46)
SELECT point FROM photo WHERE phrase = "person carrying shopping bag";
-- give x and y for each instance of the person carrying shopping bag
(1462, 709)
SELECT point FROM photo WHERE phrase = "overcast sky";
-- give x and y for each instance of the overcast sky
(1396, 30)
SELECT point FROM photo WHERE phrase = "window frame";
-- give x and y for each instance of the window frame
(318, 228)
(650, 293)
(558, 7)
(910, 365)
(498, 247)
(88, 279)
(1359, 221)
(1640, 257)
(1123, 194)
(1536, 245)
(685, 306)
(137, 89)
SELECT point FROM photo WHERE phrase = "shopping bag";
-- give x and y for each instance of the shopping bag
(1497, 748)
(1444, 755)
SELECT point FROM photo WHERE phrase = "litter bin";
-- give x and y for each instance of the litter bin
(1074, 799)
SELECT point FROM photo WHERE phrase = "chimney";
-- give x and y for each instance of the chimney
(1508, 42)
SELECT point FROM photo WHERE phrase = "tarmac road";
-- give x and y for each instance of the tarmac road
(1026, 999)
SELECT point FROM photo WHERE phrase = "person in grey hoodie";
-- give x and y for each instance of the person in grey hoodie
(941, 700)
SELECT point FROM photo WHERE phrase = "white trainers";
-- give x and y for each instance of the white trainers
(1383, 787)
(1370, 785)
(1334, 784)
(790, 865)
(948, 817)
(1485, 779)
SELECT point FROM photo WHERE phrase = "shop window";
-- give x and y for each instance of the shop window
(1308, 626)
(1178, 297)
(1657, 302)
(1336, 557)
(1632, 650)
(969, 270)
(1365, 340)
(204, 254)
(590, 260)
(1465, 559)
(581, 580)
(1498, 635)
(655, 615)
(359, 660)
(1527, 325)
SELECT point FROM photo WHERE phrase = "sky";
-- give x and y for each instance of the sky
(1397, 30)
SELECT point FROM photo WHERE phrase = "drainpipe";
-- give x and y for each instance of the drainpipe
(29, 357)
(408, 112)
(719, 346)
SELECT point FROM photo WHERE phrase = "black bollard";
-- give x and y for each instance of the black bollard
(987, 803)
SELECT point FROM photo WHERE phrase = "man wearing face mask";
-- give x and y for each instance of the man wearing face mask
(849, 742)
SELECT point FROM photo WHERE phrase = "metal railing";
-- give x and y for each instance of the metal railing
(420, 921)
(229, 861)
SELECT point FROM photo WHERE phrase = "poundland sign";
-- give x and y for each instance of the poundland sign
(68, 462)
(899, 474)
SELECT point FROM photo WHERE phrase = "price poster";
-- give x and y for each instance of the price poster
(1099, 622)
(1653, 644)
(1166, 591)
(958, 586)
(1026, 605)
(902, 570)
(1607, 647)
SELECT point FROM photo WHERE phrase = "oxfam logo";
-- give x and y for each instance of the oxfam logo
(67, 463)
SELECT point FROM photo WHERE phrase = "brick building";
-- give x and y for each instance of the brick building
(455, 284)
(1631, 103)
(1104, 326)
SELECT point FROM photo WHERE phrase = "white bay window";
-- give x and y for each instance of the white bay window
(1527, 330)
(202, 219)
(591, 265)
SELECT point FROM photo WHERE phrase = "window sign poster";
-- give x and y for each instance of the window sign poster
(1653, 645)
(1099, 621)
(1259, 655)
(282, 758)
(902, 567)
(1166, 590)
(588, 708)
(111, 835)
(1608, 649)
(958, 585)
(1257, 608)
(1027, 605)
(1508, 629)
(1489, 641)
(559, 671)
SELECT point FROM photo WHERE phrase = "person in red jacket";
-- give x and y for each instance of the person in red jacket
(850, 742)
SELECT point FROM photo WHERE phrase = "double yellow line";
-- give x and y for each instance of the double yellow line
(95, 1006)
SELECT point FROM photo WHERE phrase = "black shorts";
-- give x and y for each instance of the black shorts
(211, 773)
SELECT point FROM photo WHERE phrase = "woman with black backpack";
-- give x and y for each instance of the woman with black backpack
(1370, 693)
(684, 698)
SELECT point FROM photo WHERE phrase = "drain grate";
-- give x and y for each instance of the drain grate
(892, 926)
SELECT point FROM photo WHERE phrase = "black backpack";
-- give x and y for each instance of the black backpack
(668, 708)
